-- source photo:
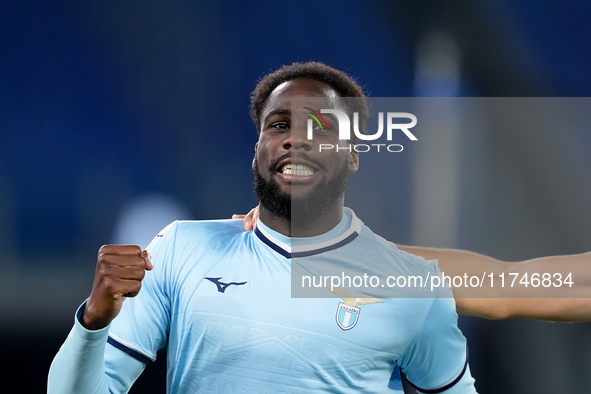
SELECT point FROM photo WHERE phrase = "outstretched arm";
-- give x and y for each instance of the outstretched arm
(563, 303)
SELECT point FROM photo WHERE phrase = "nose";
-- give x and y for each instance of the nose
(297, 139)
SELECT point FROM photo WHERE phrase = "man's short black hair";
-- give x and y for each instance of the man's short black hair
(341, 82)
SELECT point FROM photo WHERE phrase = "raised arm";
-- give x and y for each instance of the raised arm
(85, 364)
(557, 302)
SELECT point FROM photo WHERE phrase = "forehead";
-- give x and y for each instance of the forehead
(281, 96)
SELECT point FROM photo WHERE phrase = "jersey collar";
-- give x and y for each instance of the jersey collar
(346, 231)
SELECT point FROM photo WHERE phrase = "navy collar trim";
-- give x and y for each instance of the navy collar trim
(290, 252)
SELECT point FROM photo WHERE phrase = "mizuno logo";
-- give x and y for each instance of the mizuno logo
(223, 286)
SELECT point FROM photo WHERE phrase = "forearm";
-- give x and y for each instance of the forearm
(560, 301)
(494, 301)
(79, 366)
(86, 364)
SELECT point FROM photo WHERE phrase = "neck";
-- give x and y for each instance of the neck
(295, 228)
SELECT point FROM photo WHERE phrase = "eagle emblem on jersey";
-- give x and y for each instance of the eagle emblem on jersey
(348, 312)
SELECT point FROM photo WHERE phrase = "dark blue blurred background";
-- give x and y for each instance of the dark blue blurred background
(110, 108)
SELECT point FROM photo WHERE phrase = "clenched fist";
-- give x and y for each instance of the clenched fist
(119, 273)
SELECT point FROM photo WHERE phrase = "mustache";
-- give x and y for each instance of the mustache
(299, 156)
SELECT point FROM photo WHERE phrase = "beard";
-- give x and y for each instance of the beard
(305, 210)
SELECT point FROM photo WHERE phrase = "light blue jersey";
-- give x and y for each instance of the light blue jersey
(219, 299)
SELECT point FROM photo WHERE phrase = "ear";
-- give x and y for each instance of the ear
(353, 161)
(255, 155)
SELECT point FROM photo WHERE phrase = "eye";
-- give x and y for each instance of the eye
(322, 128)
(318, 128)
(279, 125)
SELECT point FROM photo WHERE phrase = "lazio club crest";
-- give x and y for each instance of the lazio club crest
(348, 312)
(347, 316)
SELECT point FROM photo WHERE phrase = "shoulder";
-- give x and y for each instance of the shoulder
(212, 227)
(193, 235)
(184, 244)
(375, 242)
(405, 275)
(180, 229)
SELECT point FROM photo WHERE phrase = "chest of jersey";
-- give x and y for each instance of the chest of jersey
(237, 311)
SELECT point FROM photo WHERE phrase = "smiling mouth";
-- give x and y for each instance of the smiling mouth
(296, 169)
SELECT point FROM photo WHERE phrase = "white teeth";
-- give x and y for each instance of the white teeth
(296, 169)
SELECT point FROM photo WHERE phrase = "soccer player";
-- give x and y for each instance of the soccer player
(219, 298)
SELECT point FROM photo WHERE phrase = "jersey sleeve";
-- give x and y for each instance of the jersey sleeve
(109, 360)
(85, 365)
(437, 359)
(142, 326)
